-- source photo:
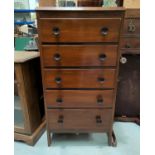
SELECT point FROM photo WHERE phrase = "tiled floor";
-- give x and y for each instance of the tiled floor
(128, 139)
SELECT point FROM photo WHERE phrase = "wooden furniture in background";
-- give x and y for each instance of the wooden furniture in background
(28, 116)
(130, 39)
(80, 60)
(47, 3)
(128, 94)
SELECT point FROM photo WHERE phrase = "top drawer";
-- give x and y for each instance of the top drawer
(79, 30)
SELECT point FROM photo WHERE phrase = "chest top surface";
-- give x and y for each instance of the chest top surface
(73, 11)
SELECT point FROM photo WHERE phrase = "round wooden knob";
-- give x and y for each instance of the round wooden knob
(58, 80)
(57, 57)
(59, 100)
(101, 79)
(100, 101)
(102, 57)
(56, 31)
(104, 31)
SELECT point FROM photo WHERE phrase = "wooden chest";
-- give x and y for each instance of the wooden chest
(80, 56)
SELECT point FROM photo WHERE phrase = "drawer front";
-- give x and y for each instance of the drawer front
(80, 55)
(79, 78)
(79, 30)
(131, 27)
(79, 119)
(79, 98)
(130, 51)
(130, 43)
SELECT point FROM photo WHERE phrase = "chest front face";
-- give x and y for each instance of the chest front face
(79, 55)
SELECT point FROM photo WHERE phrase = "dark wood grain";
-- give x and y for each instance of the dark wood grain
(85, 30)
(79, 55)
(79, 78)
(79, 98)
(72, 123)
(128, 104)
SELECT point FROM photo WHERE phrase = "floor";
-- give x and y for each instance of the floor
(128, 139)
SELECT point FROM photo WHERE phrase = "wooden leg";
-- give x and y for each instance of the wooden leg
(49, 138)
(109, 134)
(112, 139)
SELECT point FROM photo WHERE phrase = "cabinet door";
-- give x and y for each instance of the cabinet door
(18, 113)
(21, 125)
(128, 92)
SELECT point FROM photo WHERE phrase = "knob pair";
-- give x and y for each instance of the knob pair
(56, 31)
(57, 57)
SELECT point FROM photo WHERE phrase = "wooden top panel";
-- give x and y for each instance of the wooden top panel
(21, 56)
(80, 9)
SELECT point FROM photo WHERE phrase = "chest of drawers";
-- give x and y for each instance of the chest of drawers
(79, 56)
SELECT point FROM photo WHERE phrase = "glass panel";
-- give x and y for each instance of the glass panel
(18, 114)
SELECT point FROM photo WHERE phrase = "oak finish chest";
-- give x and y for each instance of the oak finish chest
(80, 56)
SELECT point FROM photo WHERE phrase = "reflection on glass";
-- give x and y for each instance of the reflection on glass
(18, 114)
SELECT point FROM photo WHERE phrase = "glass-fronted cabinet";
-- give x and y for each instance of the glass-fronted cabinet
(28, 100)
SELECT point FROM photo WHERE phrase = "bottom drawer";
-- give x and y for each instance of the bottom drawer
(79, 120)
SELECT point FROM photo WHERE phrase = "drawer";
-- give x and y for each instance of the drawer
(130, 51)
(131, 27)
(71, 120)
(79, 30)
(130, 43)
(79, 98)
(79, 55)
(79, 78)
